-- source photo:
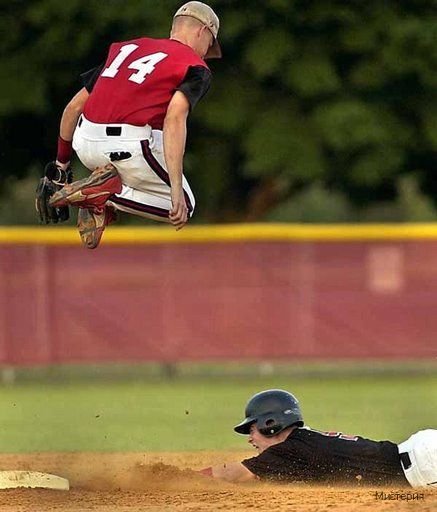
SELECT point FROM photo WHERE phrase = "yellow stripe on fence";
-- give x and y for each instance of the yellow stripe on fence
(58, 235)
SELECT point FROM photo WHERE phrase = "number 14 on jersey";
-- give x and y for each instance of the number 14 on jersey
(144, 65)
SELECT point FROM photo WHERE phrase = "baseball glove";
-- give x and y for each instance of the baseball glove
(53, 180)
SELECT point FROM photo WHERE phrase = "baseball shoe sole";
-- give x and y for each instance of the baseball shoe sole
(93, 191)
(91, 224)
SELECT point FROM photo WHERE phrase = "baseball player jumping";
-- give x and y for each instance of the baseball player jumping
(292, 452)
(128, 126)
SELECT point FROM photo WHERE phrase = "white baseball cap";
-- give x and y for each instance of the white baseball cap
(209, 18)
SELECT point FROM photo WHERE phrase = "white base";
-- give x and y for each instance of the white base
(32, 479)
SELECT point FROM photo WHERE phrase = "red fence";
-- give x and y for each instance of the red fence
(253, 300)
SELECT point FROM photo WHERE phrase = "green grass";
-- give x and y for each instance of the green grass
(193, 414)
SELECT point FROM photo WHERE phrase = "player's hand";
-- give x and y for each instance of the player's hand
(64, 167)
(179, 212)
(58, 173)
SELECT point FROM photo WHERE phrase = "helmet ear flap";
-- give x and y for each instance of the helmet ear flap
(269, 427)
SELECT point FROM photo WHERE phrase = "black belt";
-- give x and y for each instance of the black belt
(405, 460)
(113, 130)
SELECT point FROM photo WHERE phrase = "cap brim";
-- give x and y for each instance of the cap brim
(244, 426)
(214, 52)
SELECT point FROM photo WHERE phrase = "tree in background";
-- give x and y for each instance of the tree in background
(319, 111)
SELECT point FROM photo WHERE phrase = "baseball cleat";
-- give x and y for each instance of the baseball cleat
(91, 223)
(93, 191)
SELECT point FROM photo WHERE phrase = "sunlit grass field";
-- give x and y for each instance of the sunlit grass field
(194, 413)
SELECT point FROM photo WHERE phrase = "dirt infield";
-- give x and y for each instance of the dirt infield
(166, 482)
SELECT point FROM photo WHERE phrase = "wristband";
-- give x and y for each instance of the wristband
(65, 150)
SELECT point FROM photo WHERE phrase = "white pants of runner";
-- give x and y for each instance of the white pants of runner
(421, 448)
(146, 184)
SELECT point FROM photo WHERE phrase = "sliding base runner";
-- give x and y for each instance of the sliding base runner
(32, 480)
